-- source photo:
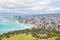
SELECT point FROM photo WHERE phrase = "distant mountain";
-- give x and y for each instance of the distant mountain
(11, 14)
(17, 14)
(53, 14)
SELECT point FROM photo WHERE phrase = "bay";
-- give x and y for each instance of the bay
(7, 25)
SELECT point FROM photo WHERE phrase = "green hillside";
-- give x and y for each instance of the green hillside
(31, 34)
(25, 37)
(21, 37)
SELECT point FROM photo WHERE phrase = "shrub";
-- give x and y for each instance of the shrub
(57, 38)
(58, 35)
(0, 38)
(7, 36)
(44, 37)
(35, 39)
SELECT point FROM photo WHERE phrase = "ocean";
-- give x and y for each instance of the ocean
(7, 25)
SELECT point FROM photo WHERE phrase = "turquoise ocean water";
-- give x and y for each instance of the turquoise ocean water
(7, 25)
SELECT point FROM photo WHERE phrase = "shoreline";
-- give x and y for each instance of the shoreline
(13, 25)
(20, 29)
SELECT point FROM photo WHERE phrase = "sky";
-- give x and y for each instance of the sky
(29, 6)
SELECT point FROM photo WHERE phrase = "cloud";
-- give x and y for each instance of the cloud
(54, 9)
(27, 6)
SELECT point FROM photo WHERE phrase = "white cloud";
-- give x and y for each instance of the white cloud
(51, 9)
(40, 5)
(26, 5)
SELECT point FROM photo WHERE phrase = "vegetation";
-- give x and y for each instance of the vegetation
(31, 34)
(0, 38)
(21, 37)
(7, 36)
(57, 38)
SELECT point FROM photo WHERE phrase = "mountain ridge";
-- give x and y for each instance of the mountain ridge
(9, 14)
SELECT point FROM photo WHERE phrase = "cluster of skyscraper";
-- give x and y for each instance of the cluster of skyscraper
(46, 22)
